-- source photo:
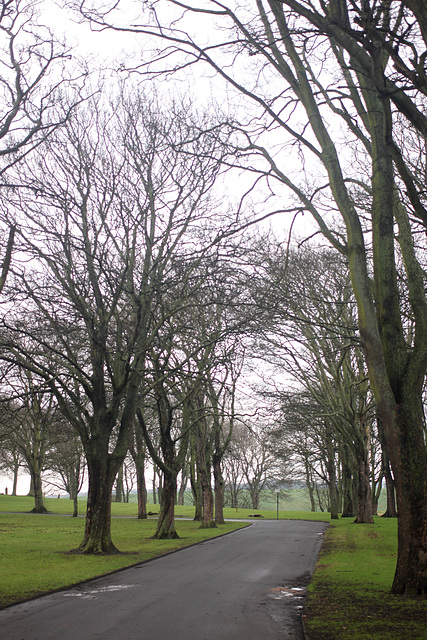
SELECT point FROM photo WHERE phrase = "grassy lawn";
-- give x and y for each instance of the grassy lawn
(349, 595)
(23, 504)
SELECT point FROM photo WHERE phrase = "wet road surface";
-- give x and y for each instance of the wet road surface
(248, 585)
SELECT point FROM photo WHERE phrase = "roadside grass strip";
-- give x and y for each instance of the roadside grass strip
(35, 550)
(349, 595)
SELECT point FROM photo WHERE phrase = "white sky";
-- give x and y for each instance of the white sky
(108, 48)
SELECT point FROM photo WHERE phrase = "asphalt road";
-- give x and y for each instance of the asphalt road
(248, 585)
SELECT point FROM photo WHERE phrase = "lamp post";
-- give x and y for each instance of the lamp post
(277, 494)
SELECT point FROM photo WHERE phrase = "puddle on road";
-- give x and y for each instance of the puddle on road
(91, 595)
(279, 593)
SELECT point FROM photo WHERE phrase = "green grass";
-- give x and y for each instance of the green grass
(35, 558)
(349, 595)
(23, 504)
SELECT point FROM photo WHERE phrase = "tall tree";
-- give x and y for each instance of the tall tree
(365, 64)
(34, 413)
(110, 206)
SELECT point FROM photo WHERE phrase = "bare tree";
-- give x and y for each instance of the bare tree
(250, 455)
(33, 415)
(112, 201)
(33, 83)
(362, 63)
(65, 462)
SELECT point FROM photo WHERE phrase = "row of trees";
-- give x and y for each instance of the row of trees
(341, 85)
(326, 433)
(118, 303)
(122, 249)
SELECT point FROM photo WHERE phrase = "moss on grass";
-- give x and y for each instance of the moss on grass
(349, 595)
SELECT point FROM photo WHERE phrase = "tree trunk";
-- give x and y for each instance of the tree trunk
(154, 487)
(208, 521)
(97, 535)
(364, 494)
(332, 476)
(183, 487)
(119, 485)
(37, 487)
(333, 496)
(219, 491)
(348, 508)
(204, 475)
(15, 478)
(74, 492)
(195, 484)
(410, 471)
(255, 499)
(375, 500)
(138, 453)
(391, 511)
(141, 491)
(309, 486)
(75, 506)
(166, 523)
(30, 493)
(159, 487)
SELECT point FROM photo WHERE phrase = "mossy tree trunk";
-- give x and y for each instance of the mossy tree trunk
(196, 487)
(391, 511)
(104, 462)
(332, 474)
(102, 471)
(120, 493)
(364, 490)
(348, 488)
(170, 456)
(38, 489)
(138, 453)
(166, 529)
(219, 490)
(203, 434)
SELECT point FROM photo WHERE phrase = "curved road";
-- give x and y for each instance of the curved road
(247, 585)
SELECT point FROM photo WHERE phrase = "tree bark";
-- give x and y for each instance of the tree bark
(332, 475)
(219, 491)
(119, 485)
(15, 478)
(141, 491)
(411, 491)
(138, 453)
(348, 488)
(391, 511)
(102, 471)
(183, 487)
(364, 494)
(195, 482)
(204, 473)
(37, 487)
(166, 523)
(74, 492)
